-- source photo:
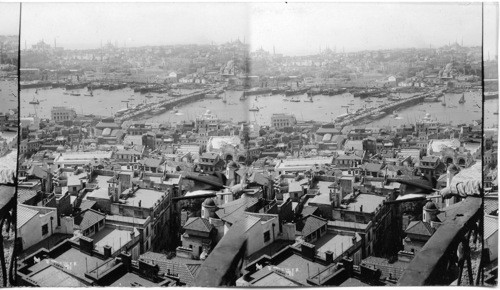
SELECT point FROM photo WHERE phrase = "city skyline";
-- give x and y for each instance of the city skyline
(287, 31)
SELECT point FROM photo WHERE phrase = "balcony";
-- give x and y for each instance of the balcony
(438, 263)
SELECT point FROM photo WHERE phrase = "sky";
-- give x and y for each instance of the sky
(9, 18)
(292, 29)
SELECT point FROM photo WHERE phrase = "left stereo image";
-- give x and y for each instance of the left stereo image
(9, 125)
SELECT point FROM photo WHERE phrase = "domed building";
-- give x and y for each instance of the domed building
(208, 208)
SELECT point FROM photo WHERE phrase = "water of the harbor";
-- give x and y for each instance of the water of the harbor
(321, 109)
(490, 118)
(8, 95)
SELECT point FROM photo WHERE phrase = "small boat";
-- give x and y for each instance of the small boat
(254, 109)
(75, 94)
(149, 96)
(34, 102)
(462, 99)
(495, 113)
(295, 100)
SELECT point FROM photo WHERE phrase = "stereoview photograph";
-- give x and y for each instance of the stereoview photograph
(257, 144)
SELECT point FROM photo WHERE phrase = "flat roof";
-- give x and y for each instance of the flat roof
(298, 268)
(337, 243)
(113, 237)
(370, 202)
(72, 260)
(351, 225)
(52, 276)
(275, 280)
(132, 280)
(80, 156)
(147, 197)
(102, 190)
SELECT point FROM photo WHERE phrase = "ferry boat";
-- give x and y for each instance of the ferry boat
(296, 92)
(75, 86)
(121, 112)
(334, 92)
(377, 115)
(34, 102)
(431, 99)
(257, 91)
(213, 95)
(394, 98)
(159, 110)
(278, 91)
(490, 95)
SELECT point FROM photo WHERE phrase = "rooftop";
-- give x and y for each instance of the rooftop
(72, 260)
(52, 276)
(336, 243)
(369, 202)
(132, 280)
(24, 215)
(147, 197)
(113, 237)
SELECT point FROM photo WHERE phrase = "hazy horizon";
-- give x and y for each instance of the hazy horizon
(9, 18)
(292, 29)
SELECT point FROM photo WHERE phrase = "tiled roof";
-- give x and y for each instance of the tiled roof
(37, 171)
(490, 226)
(259, 178)
(490, 204)
(86, 204)
(151, 162)
(24, 194)
(198, 224)
(233, 211)
(310, 224)
(371, 167)
(309, 210)
(420, 228)
(88, 218)
(185, 269)
(24, 214)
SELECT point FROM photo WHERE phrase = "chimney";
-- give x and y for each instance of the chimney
(361, 208)
(348, 265)
(308, 250)
(86, 245)
(369, 273)
(107, 251)
(329, 257)
(126, 260)
(148, 269)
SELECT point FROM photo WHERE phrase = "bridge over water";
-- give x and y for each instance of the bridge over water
(168, 104)
(406, 102)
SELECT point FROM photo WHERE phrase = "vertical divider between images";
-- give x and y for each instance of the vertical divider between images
(13, 264)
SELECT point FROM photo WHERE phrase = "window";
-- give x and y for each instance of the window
(267, 236)
(121, 211)
(138, 213)
(45, 229)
